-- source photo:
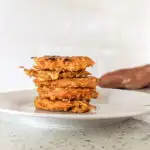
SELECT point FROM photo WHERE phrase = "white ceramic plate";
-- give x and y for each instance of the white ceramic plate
(112, 105)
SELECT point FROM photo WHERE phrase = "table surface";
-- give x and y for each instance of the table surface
(128, 135)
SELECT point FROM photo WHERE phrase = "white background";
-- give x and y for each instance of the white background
(115, 33)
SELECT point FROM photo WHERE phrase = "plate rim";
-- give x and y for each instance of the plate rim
(83, 116)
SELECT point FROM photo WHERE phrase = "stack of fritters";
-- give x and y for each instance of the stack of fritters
(63, 83)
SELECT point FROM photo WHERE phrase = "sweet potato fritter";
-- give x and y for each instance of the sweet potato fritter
(59, 63)
(67, 93)
(89, 82)
(65, 106)
(54, 75)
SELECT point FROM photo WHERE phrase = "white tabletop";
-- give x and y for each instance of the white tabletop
(128, 135)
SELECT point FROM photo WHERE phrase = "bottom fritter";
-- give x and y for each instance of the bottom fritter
(63, 106)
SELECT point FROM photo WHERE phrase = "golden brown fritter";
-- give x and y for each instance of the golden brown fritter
(67, 93)
(63, 84)
(60, 63)
(65, 106)
(54, 75)
(89, 82)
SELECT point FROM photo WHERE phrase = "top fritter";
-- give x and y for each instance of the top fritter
(62, 63)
